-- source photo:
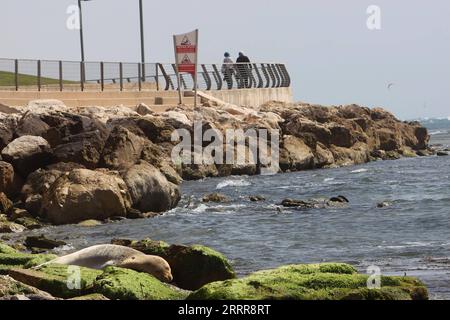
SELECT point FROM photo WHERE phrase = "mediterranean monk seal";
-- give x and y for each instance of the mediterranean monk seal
(101, 256)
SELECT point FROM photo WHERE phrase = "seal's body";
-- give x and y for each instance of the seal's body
(102, 256)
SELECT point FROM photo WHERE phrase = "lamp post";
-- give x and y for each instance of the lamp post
(141, 17)
(81, 39)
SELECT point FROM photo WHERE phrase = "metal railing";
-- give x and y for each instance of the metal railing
(47, 75)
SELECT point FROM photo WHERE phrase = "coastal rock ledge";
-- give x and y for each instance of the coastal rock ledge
(115, 162)
(195, 268)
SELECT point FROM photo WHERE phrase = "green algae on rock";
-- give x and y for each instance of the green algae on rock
(5, 249)
(311, 282)
(10, 287)
(192, 267)
(59, 280)
(11, 259)
(91, 297)
(124, 284)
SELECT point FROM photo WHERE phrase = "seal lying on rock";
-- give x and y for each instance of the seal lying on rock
(101, 256)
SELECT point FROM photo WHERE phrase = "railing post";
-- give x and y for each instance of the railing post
(157, 76)
(60, 76)
(140, 77)
(102, 76)
(16, 74)
(121, 75)
(39, 75)
(206, 77)
(217, 77)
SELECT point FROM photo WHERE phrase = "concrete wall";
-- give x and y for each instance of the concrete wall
(253, 97)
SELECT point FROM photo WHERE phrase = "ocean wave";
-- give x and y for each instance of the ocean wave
(200, 209)
(233, 183)
(359, 171)
(328, 179)
(433, 133)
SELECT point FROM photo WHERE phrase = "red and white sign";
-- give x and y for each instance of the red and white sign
(186, 52)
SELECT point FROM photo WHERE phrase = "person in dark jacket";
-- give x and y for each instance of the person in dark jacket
(244, 69)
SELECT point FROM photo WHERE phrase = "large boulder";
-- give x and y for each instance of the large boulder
(300, 127)
(6, 178)
(84, 194)
(295, 154)
(312, 282)
(149, 189)
(122, 149)
(27, 154)
(84, 148)
(192, 267)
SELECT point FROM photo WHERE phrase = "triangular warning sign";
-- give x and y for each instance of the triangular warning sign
(186, 41)
(186, 60)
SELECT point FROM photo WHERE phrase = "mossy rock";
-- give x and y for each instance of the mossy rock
(22, 260)
(124, 284)
(192, 267)
(5, 249)
(59, 280)
(11, 287)
(91, 297)
(311, 282)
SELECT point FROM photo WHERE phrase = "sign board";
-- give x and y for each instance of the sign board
(186, 52)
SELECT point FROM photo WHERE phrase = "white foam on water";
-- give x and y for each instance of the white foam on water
(359, 171)
(328, 179)
(200, 209)
(233, 183)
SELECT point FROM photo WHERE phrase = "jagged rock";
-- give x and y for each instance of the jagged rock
(42, 242)
(84, 148)
(6, 205)
(257, 198)
(295, 155)
(84, 194)
(442, 154)
(149, 189)
(27, 154)
(90, 223)
(143, 109)
(215, 197)
(384, 204)
(122, 149)
(6, 177)
(340, 199)
(10, 227)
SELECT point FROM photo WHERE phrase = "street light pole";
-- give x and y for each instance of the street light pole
(141, 15)
(81, 29)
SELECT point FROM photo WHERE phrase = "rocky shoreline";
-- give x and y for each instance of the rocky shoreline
(63, 165)
(92, 165)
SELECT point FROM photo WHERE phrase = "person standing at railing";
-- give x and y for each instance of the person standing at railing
(244, 68)
(228, 70)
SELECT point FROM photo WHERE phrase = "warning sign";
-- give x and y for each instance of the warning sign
(186, 52)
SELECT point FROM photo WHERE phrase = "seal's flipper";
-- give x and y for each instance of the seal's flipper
(110, 263)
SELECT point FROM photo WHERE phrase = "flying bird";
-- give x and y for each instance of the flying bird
(390, 85)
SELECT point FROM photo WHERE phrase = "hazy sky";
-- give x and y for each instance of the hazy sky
(332, 55)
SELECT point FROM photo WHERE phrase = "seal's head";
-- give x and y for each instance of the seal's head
(156, 266)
